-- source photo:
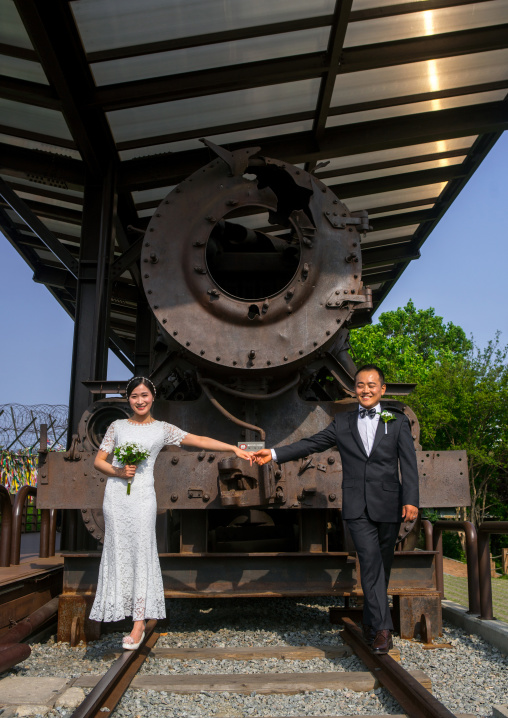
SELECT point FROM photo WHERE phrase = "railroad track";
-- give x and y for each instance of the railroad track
(415, 700)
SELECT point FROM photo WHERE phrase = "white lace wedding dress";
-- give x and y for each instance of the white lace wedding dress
(130, 580)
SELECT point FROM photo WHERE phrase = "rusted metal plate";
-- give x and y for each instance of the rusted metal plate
(443, 479)
(244, 575)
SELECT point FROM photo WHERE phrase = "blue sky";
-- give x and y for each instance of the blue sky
(461, 273)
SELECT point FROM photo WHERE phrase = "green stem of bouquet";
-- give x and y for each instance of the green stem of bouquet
(128, 488)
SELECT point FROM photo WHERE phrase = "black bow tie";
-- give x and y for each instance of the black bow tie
(371, 413)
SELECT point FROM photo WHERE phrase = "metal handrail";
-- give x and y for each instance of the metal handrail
(5, 536)
(473, 582)
(17, 516)
(484, 531)
(427, 531)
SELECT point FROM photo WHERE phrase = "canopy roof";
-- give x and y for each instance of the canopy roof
(402, 100)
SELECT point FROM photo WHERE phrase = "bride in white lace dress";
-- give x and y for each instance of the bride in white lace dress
(130, 580)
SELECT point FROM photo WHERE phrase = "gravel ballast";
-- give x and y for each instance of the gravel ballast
(470, 677)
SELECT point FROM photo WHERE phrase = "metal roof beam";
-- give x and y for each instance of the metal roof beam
(51, 211)
(28, 93)
(334, 53)
(389, 183)
(215, 38)
(47, 167)
(169, 88)
(55, 37)
(210, 82)
(38, 228)
(387, 133)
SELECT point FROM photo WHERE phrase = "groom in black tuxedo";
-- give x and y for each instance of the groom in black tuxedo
(376, 448)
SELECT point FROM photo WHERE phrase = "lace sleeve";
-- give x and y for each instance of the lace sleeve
(172, 434)
(108, 443)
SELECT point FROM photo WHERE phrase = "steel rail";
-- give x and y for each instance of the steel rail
(414, 699)
(104, 697)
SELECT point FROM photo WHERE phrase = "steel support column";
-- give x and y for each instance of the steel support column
(92, 317)
(145, 330)
(91, 327)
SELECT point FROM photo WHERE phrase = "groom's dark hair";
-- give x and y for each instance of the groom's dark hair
(372, 367)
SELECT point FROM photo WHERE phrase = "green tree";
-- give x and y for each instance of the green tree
(408, 342)
(461, 398)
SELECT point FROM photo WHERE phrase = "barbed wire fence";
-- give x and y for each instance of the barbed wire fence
(20, 425)
(20, 437)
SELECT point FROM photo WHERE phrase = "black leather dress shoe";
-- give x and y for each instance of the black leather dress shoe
(368, 633)
(382, 642)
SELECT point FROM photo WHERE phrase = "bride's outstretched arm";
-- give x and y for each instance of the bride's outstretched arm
(205, 442)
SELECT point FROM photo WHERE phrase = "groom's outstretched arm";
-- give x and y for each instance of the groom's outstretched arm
(313, 444)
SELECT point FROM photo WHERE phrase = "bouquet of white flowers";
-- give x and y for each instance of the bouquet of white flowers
(130, 454)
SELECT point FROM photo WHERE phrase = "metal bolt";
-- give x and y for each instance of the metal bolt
(187, 344)
(174, 497)
(331, 460)
(153, 258)
(175, 332)
(332, 497)
(217, 358)
(285, 358)
(201, 270)
(235, 363)
(232, 202)
(290, 292)
(164, 321)
(174, 460)
(301, 351)
(265, 307)
(206, 497)
(268, 362)
(328, 332)
(305, 270)
(252, 354)
(155, 306)
(211, 219)
(211, 457)
(146, 276)
(202, 352)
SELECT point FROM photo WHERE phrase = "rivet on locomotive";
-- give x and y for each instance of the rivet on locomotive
(253, 270)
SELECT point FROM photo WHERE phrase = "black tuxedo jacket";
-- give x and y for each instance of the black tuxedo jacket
(367, 481)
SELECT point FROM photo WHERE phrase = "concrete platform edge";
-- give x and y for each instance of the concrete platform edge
(494, 632)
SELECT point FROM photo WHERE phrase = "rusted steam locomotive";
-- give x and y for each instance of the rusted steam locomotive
(252, 268)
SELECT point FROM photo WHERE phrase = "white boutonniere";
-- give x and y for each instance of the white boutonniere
(386, 416)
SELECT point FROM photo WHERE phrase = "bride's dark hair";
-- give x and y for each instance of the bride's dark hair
(137, 381)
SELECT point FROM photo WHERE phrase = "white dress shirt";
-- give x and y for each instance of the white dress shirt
(367, 428)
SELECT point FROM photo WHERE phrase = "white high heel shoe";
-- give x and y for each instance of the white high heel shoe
(130, 645)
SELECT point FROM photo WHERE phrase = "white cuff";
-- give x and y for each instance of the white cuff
(274, 455)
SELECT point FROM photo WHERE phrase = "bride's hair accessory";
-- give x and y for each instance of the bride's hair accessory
(140, 380)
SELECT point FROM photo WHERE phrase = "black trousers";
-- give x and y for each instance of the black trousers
(374, 543)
